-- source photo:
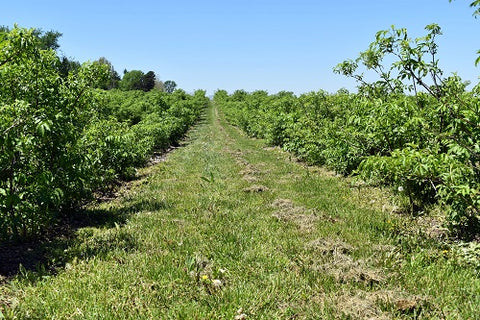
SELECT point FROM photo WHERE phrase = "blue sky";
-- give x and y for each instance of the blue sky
(251, 45)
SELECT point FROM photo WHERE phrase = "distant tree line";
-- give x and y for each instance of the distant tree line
(131, 80)
(134, 80)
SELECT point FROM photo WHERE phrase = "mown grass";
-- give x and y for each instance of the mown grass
(227, 228)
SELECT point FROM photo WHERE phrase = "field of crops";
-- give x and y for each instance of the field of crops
(324, 205)
(394, 140)
(62, 139)
(417, 131)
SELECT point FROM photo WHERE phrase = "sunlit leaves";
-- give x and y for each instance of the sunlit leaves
(59, 140)
(409, 69)
(444, 160)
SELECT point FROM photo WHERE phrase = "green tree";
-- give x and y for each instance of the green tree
(113, 78)
(132, 80)
(148, 81)
(66, 66)
(48, 39)
(169, 86)
(415, 63)
(137, 80)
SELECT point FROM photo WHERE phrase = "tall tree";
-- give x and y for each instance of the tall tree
(48, 39)
(148, 81)
(113, 78)
(66, 65)
(132, 80)
(169, 86)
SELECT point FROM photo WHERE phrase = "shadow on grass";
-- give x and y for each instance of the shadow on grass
(82, 234)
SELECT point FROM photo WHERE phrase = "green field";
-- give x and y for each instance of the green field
(230, 228)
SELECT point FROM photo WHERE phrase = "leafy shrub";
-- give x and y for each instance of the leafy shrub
(60, 139)
(425, 142)
(43, 116)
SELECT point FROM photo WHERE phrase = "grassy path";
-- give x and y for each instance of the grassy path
(227, 228)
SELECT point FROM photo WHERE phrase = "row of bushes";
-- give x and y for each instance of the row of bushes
(404, 141)
(412, 129)
(61, 139)
(131, 125)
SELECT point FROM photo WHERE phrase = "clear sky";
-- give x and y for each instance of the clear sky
(268, 45)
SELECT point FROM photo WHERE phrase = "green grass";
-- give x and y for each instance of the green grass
(285, 240)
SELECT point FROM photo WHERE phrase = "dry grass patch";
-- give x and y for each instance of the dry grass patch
(242, 162)
(361, 305)
(287, 212)
(329, 246)
(249, 174)
(322, 171)
(345, 269)
(432, 226)
(374, 305)
(255, 189)
(282, 203)
(250, 179)
(249, 170)
(333, 257)
(298, 307)
(372, 197)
